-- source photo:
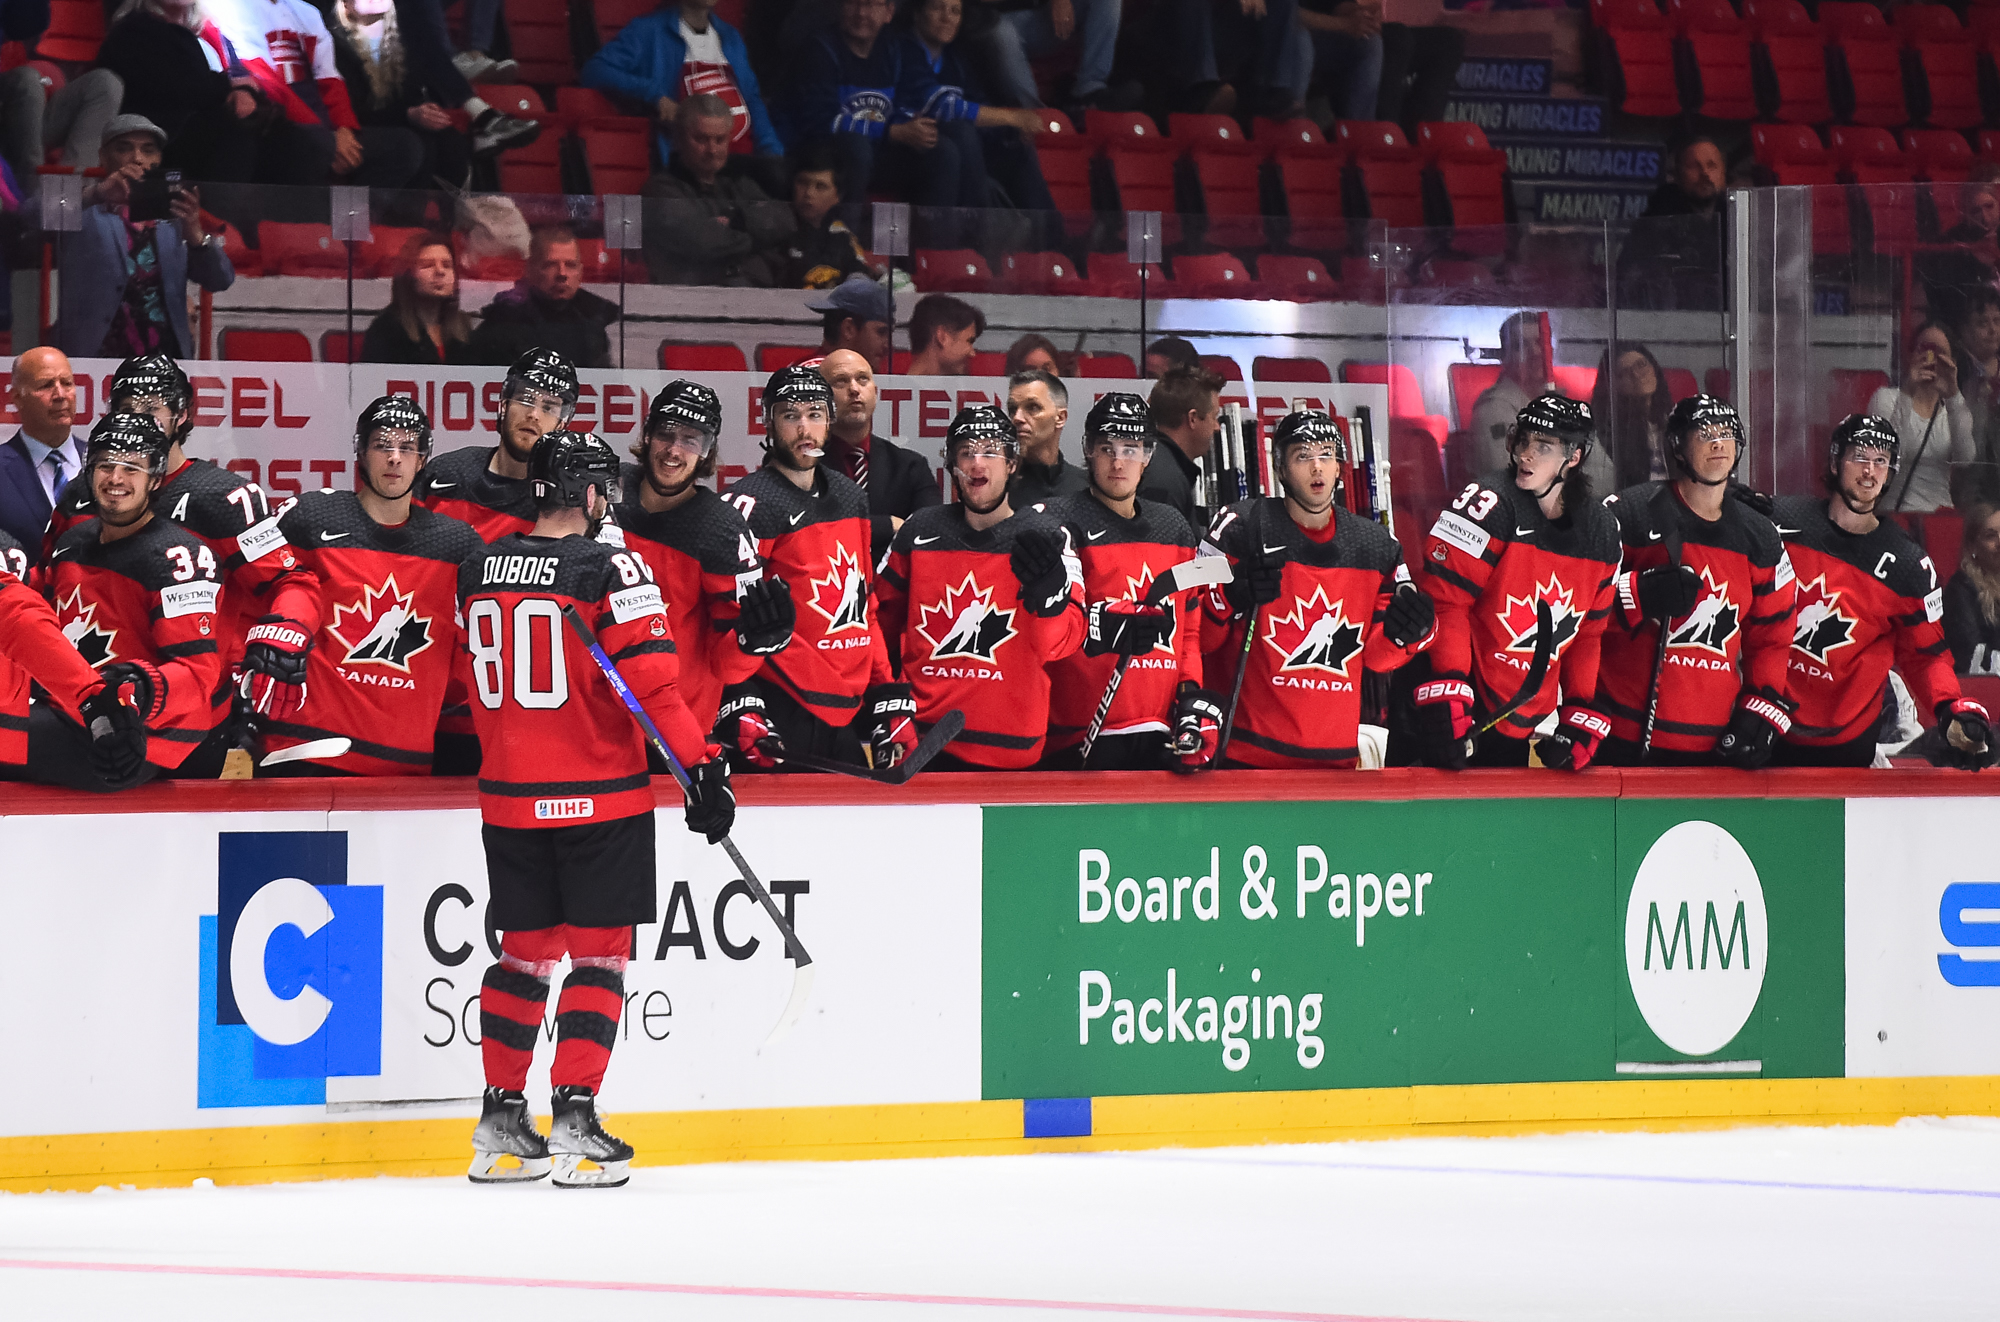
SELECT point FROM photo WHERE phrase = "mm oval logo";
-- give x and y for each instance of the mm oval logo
(1696, 939)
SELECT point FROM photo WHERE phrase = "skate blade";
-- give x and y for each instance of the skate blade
(489, 1168)
(571, 1172)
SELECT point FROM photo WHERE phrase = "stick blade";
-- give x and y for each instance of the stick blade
(948, 728)
(795, 1008)
(1204, 571)
(315, 751)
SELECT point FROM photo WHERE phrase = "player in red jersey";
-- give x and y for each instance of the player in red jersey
(137, 596)
(1868, 599)
(812, 530)
(1715, 570)
(725, 614)
(980, 600)
(380, 666)
(1124, 543)
(1526, 534)
(1326, 592)
(566, 802)
(486, 486)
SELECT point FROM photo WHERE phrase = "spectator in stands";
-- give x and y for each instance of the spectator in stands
(1630, 405)
(1032, 31)
(822, 251)
(181, 74)
(1932, 419)
(482, 25)
(124, 281)
(33, 119)
(1219, 44)
(897, 482)
(1978, 353)
(1673, 256)
(682, 50)
(1039, 406)
(423, 323)
(1979, 211)
(1034, 352)
(1525, 354)
(449, 77)
(38, 461)
(856, 315)
(943, 333)
(382, 88)
(548, 309)
(1186, 408)
(1972, 598)
(1167, 353)
(1344, 53)
(703, 226)
(1003, 134)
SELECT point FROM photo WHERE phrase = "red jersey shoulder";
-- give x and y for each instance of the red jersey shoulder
(773, 506)
(463, 474)
(1092, 524)
(333, 522)
(211, 501)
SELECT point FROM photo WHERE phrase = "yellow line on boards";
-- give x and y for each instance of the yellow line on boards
(257, 1154)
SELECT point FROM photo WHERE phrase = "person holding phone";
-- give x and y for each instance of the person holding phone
(1931, 420)
(124, 277)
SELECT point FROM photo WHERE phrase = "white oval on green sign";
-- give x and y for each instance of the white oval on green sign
(1696, 939)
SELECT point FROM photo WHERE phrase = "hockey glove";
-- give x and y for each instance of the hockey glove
(1754, 729)
(1410, 616)
(274, 666)
(1038, 563)
(1258, 581)
(892, 723)
(1664, 592)
(1754, 498)
(743, 725)
(147, 683)
(765, 616)
(711, 803)
(1128, 628)
(117, 737)
(1578, 732)
(1968, 735)
(1197, 727)
(1444, 720)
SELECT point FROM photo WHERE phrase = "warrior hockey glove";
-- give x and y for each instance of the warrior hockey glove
(1578, 732)
(1968, 735)
(147, 682)
(1038, 563)
(1259, 578)
(892, 723)
(1754, 729)
(1664, 592)
(1410, 616)
(1197, 727)
(765, 616)
(711, 803)
(744, 726)
(117, 737)
(274, 666)
(1444, 720)
(1128, 628)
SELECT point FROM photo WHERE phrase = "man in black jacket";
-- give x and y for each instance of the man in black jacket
(549, 309)
(1038, 403)
(897, 482)
(1186, 410)
(1673, 255)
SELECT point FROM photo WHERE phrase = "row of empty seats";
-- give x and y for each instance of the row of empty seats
(1908, 184)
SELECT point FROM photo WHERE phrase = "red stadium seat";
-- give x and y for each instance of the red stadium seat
(1941, 66)
(1297, 277)
(245, 260)
(266, 346)
(1231, 200)
(1406, 398)
(1144, 181)
(1313, 202)
(75, 31)
(1575, 382)
(1290, 369)
(535, 168)
(1635, 54)
(1113, 275)
(1215, 275)
(1849, 389)
(516, 99)
(338, 346)
(1866, 69)
(772, 357)
(1388, 170)
(303, 250)
(1127, 132)
(612, 16)
(1715, 382)
(619, 160)
(605, 266)
(701, 358)
(585, 103)
(1943, 162)
(1059, 134)
(1468, 382)
(378, 255)
(1681, 383)
(539, 31)
(1416, 473)
(952, 271)
(1714, 51)
(1041, 273)
(1223, 366)
(1106, 366)
(1788, 62)
(987, 364)
(1213, 135)
(1278, 139)
(1470, 183)
(1067, 173)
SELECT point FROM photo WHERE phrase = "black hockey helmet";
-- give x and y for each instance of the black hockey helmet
(565, 463)
(1863, 431)
(1567, 420)
(1120, 414)
(686, 404)
(979, 423)
(797, 384)
(393, 413)
(128, 435)
(1696, 414)
(152, 376)
(544, 370)
(1307, 427)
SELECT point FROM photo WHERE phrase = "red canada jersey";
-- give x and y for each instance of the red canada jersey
(559, 746)
(152, 596)
(1737, 636)
(1121, 558)
(1865, 603)
(965, 640)
(819, 542)
(32, 647)
(1490, 560)
(462, 485)
(386, 647)
(702, 555)
(1301, 704)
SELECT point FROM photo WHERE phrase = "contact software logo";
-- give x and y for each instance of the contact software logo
(291, 971)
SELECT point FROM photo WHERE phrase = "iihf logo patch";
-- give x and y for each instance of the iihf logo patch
(381, 628)
(1712, 622)
(1518, 620)
(841, 598)
(79, 625)
(1821, 626)
(973, 628)
(1317, 635)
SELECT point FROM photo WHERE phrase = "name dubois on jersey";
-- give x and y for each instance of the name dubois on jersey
(528, 571)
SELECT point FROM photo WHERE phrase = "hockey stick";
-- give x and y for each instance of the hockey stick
(1202, 571)
(802, 973)
(1663, 501)
(948, 728)
(314, 751)
(1538, 669)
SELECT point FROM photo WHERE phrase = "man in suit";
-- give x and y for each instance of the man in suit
(40, 458)
(897, 482)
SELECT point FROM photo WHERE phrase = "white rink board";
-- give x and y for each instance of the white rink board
(122, 984)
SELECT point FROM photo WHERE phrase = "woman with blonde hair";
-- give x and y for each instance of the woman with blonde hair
(423, 324)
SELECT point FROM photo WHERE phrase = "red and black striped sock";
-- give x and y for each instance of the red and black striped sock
(593, 995)
(512, 997)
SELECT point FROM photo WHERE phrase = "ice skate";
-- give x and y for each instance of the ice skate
(506, 1130)
(585, 1156)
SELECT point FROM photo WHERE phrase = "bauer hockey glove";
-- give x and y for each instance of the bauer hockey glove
(892, 724)
(1444, 720)
(1968, 735)
(1128, 628)
(1258, 581)
(274, 665)
(117, 737)
(1037, 561)
(1197, 727)
(1664, 592)
(711, 803)
(1754, 729)
(743, 726)
(1409, 617)
(1578, 732)
(765, 616)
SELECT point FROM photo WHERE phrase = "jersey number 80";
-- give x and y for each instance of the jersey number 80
(541, 676)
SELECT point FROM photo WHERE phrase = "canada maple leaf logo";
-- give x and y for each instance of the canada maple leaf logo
(1712, 622)
(381, 627)
(972, 628)
(1317, 635)
(842, 596)
(1137, 588)
(79, 625)
(1518, 618)
(1821, 626)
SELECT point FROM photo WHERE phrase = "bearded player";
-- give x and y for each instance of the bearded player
(486, 486)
